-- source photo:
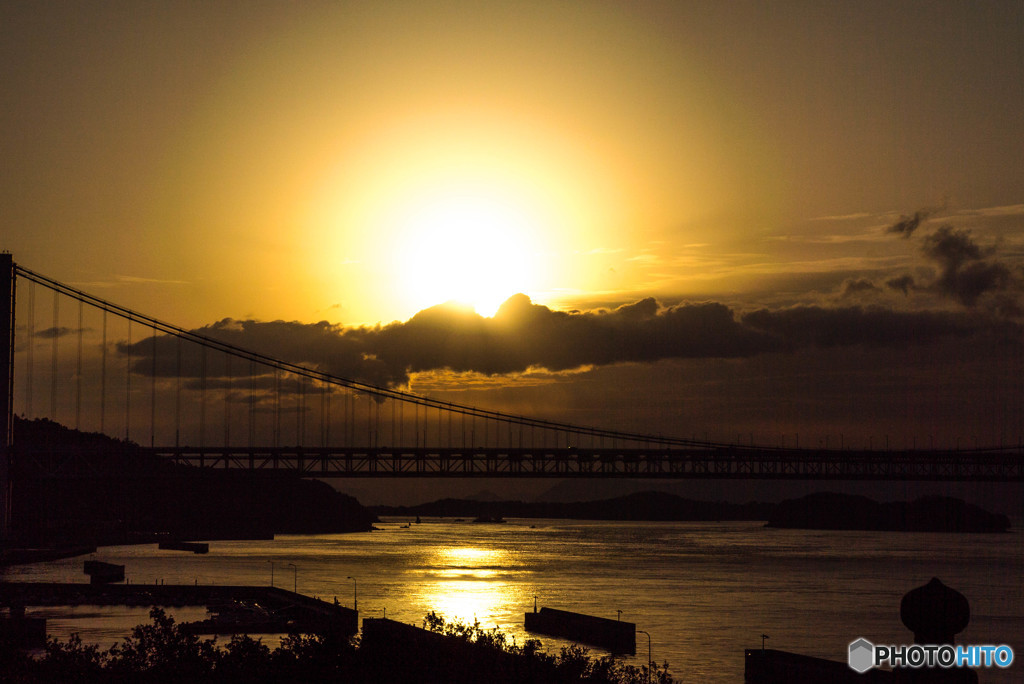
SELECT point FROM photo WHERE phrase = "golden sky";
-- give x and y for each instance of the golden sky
(358, 162)
(319, 160)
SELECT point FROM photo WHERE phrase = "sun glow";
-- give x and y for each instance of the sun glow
(475, 248)
(454, 204)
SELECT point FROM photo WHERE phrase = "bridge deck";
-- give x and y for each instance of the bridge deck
(711, 463)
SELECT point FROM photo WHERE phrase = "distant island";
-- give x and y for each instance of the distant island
(651, 505)
(831, 511)
(76, 488)
(824, 510)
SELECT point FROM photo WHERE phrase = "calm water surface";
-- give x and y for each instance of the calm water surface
(704, 591)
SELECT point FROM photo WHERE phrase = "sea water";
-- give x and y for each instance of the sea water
(703, 591)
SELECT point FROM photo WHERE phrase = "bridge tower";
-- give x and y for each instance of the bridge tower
(6, 389)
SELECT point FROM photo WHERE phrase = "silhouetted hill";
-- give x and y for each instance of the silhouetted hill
(638, 506)
(85, 487)
(831, 511)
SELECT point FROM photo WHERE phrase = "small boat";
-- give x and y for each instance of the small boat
(489, 519)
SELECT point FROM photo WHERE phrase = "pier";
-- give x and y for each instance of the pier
(291, 611)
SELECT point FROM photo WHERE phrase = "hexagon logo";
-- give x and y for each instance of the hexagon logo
(862, 655)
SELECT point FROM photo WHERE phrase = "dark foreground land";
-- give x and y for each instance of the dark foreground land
(388, 651)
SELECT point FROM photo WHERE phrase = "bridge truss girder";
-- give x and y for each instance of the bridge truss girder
(656, 463)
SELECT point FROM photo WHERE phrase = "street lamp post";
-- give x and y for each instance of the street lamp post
(271, 572)
(295, 577)
(355, 593)
(640, 631)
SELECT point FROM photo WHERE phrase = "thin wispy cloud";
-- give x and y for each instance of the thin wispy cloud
(843, 217)
(1007, 210)
(123, 280)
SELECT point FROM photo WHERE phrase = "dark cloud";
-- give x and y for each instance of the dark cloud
(50, 333)
(523, 335)
(908, 224)
(853, 287)
(320, 346)
(966, 270)
(903, 283)
(813, 326)
(965, 274)
(951, 247)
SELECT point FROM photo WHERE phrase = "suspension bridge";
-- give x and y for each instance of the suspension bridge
(200, 399)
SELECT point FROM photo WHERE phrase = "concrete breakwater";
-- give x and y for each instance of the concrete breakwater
(613, 635)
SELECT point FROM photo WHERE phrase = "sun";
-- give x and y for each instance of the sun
(470, 246)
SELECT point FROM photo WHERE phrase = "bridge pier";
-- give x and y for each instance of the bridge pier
(6, 389)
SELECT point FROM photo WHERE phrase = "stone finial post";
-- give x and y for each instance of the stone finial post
(935, 613)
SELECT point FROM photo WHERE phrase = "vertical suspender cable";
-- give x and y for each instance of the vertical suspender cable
(30, 361)
(78, 370)
(327, 439)
(103, 374)
(202, 396)
(252, 404)
(349, 413)
(277, 407)
(128, 388)
(227, 401)
(376, 422)
(152, 391)
(53, 356)
(177, 393)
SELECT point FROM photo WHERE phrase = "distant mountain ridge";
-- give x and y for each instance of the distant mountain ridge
(649, 505)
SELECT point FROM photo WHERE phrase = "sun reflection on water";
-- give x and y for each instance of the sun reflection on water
(467, 583)
(469, 601)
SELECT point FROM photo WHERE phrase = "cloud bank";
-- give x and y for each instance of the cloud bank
(523, 335)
